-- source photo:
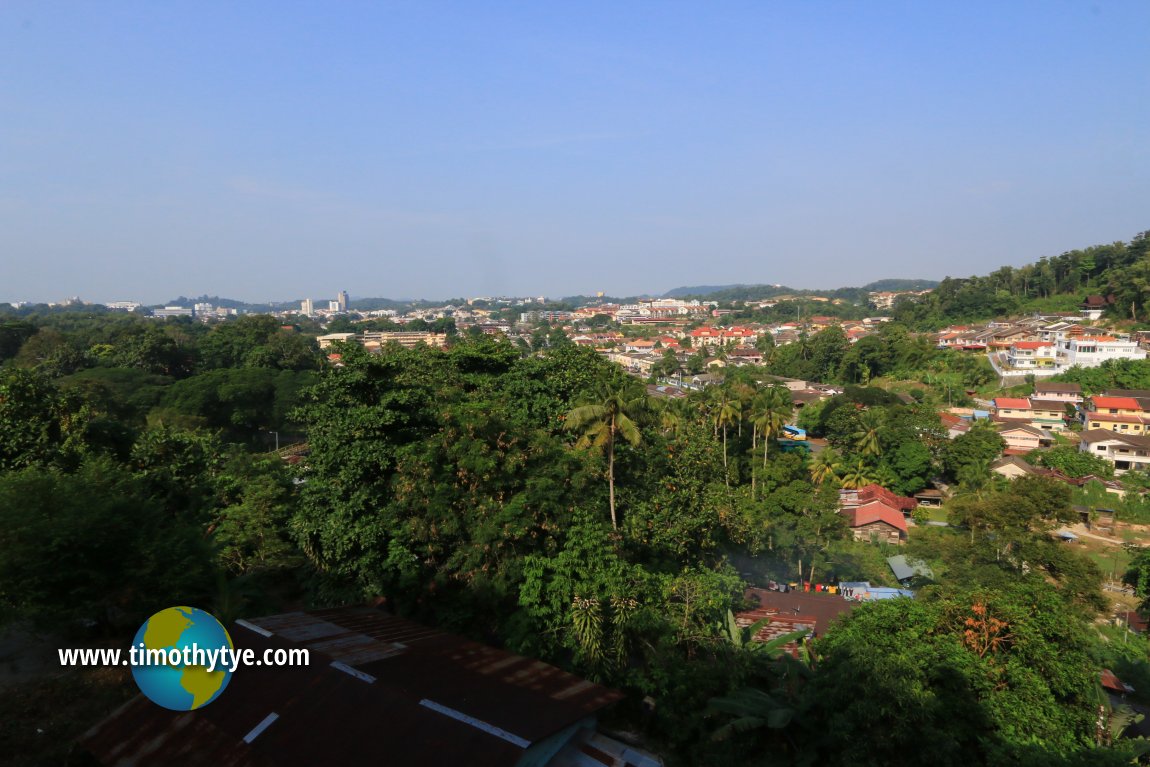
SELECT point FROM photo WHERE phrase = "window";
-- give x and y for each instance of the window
(1101, 448)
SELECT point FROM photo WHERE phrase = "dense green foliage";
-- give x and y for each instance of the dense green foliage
(1118, 270)
(540, 500)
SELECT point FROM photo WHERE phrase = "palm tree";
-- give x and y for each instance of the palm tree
(671, 418)
(866, 438)
(726, 412)
(773, 410)
(825, 465)
(601, 422)
(857, 475)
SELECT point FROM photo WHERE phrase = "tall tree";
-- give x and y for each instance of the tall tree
(868, 434)
(773, 409)
(600, 423)
(727, 411)
(825, 465)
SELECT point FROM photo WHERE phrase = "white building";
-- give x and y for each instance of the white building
(1031, 354)
(307, 307)
(1092, 351)
(173, 311)
(1125, 451)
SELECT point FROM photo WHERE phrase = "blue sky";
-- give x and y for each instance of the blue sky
(264, 150)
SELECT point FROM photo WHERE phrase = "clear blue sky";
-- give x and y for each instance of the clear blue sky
(274, 150)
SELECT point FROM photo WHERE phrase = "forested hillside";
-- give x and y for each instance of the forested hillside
(1119, 271)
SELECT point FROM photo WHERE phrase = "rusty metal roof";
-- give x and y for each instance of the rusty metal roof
(807, 607)
(378, 688)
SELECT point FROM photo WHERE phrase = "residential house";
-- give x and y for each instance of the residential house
(1001, 339)
(876, 514)
(1125, 451)
(1022, 437)
(1093, 306)
(1038, 413)
(746, 354)
(706, 336)
(740, 336)
(851, 498)
(1012, 467)
(1141, 395)
(955, 425)
(643, 345)
(1092, 351)
(1067, 393)
(1119, 414)
(1038, 355)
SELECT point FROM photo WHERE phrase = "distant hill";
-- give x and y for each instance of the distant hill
(705, 290)
(762, 292)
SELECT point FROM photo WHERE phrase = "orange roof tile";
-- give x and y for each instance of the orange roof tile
(1118, 403)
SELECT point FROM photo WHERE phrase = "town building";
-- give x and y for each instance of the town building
(173, 311)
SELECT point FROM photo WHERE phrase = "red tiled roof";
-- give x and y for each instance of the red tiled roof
(878, 492)
(1029, 344)
(1118, 403)
(876, 511)
(1012, 402)
(1111, 682)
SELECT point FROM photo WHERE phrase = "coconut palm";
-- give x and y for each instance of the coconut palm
(857, 475)
(726, 412)
(867, 437)
(772, 411)
(671, 417)
(600, 423)
(825, 465)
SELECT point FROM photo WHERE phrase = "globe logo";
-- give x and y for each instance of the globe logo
(179, 679)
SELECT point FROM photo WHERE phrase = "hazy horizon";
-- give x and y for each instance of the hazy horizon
(265, 151)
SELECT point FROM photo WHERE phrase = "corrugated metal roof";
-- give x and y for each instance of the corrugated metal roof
(378, 712)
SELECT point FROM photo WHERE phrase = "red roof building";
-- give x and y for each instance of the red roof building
(849, 499)
(1116, 403)
(876, 521)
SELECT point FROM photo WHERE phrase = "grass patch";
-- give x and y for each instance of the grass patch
(1111, 560)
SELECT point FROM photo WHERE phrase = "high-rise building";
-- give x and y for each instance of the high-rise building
(307, 307)
(342, 298)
